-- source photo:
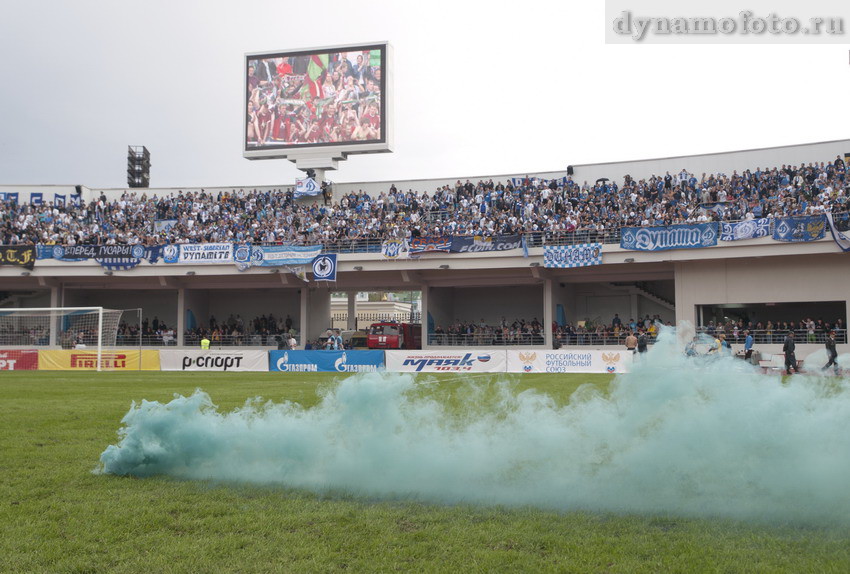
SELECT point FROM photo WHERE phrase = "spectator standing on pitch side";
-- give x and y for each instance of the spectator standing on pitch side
(789, 348)
(631, 342)
(831, 353)
(642, 343)
(748, 345)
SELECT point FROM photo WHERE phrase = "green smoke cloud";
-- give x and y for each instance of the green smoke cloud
(679, 436)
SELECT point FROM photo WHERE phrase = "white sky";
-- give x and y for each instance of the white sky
(480, 88)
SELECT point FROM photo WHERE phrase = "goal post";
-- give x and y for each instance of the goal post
(60, 327)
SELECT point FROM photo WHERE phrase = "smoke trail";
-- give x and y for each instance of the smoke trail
(676, 435)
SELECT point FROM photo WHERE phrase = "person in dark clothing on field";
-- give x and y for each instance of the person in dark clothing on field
(641, 343)
(790, 358)
(831, 353)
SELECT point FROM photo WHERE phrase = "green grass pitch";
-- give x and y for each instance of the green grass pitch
(56, 516)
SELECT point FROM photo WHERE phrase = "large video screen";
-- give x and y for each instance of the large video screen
(315, 98)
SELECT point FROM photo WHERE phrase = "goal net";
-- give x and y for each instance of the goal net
(91, 328)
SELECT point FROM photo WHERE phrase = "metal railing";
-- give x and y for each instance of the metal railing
(484, 339)
(607, 339)
(533, 239)
(366, 319)
(774, 336)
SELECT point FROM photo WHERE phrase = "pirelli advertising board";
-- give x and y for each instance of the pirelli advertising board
(86, 360)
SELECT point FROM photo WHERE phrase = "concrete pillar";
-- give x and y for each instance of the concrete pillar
(319, 312)
(352, 310)
(57, 297)
(181, 316)
(548, 313)
(315, 313)
(423, 312)
(302, 320)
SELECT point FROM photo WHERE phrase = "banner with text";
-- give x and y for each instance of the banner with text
(800, 229)
(483, 361)
(20, 255)
(277, 255)
(86, 360)
(569, 256)
(193, 360)
(18, 360)
(198, 253)
(66, 252)
(617, 361)
(478, 243)
(326, 361)
(669, 237)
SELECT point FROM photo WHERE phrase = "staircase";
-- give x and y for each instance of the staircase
(11, 300)
(640, 288)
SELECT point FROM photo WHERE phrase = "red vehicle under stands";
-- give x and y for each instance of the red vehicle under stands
(392, 335)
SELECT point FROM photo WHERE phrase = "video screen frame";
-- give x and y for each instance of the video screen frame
(306, 109)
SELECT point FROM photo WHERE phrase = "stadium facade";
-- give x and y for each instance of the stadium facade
(689, 284)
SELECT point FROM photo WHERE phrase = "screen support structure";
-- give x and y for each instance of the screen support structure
(319, 164)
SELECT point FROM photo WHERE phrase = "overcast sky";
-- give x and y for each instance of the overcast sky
(480, 88)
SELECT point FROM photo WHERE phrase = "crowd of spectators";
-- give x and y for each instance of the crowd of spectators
(486, 208)
(524, 332)
(807, 330)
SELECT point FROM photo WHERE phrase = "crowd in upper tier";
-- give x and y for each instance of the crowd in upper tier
(466, 208)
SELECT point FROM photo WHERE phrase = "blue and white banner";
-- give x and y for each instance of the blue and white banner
(324, 267)
(37, 198)
(170, 253)
(111, 257)
(76, 199)
(307, 187)
(568, 256)
(326, 361)
(277, 255)
(11, 196)
(519, 181)
(841, 238)
(800, 229)
(478, 243)
(80, 252)
(160, 225)
(745, 229)
(395, 249)
(118, 263)
(59, 199)
(199, 253)
(669, 237)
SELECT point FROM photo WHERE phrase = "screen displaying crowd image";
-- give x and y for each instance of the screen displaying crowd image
(307, 99)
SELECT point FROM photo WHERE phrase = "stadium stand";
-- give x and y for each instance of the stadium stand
(550, 211)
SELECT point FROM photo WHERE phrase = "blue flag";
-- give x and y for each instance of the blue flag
(324, 267)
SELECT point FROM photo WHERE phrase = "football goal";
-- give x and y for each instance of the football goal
(90, 328)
